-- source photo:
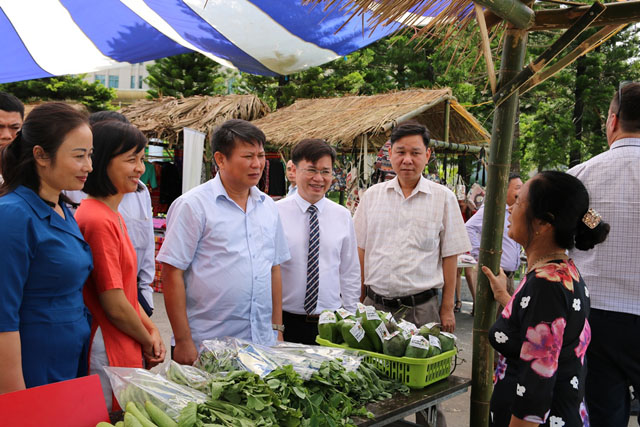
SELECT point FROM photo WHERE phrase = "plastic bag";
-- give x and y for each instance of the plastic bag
(140, 385)
(190, 376)
(261, 360)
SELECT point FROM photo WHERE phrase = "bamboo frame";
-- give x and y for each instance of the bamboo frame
(548, 55)
(585, 47)
(615, 14)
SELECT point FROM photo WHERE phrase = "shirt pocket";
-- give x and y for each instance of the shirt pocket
(424, 234)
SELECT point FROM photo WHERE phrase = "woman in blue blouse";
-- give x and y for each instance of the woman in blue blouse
(45, 261)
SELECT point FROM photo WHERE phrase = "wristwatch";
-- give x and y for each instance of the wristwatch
(279, 328)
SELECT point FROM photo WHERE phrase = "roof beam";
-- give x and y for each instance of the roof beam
(615, 14)
(512, 11)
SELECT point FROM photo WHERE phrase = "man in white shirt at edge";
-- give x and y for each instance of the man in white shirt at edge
(223, 249)
(136, 210)
(339, 267)
(611, 270)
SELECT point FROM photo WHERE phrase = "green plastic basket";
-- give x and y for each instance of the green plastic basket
(416, 373)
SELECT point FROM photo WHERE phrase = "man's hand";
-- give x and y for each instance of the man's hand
(280, 336)
(185, 353)
(447, 319)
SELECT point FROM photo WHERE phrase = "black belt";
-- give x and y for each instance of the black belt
(309, 318)
(510, 274)
(396, 302)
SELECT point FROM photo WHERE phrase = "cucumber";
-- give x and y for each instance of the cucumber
(133, 410)
(104, 424)
(143, 411)
(158, 416)
(130, 420)
(120, 424)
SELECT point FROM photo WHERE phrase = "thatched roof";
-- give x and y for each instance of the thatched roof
(343, 121)
(165, 118)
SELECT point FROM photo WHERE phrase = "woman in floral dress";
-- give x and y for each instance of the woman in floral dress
(543, 332)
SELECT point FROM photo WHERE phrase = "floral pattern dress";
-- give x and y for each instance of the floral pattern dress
(542, 337)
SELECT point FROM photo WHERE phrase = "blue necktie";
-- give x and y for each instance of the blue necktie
(313, 259)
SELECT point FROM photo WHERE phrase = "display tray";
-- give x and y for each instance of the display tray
(416, 373)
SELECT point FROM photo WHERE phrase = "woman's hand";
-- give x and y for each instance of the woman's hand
(154, 354)
(498, 285)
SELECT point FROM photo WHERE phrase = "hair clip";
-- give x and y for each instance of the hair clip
(591, 219)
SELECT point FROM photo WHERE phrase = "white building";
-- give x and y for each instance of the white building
(128, 81)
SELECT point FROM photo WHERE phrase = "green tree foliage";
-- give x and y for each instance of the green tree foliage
(185, 75)
(393, 63)
(565, 116)
(94, 96)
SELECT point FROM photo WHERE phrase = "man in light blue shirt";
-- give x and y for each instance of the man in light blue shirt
(222, 251)
(510, 260)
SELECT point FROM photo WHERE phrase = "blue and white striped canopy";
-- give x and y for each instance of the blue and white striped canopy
(44, 38)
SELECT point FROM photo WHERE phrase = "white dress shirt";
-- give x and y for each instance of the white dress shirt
(405, 239)
(510, 260)
(227, 254)
(339, 266)
(136, 210)
(611, 269)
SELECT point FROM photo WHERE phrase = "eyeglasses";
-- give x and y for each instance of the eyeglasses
(311, 172)
(622, 85)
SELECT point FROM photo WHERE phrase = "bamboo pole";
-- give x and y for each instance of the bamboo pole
(447, 115)
(616, 14)
(486, 48)
(513, 54)
(513, 11)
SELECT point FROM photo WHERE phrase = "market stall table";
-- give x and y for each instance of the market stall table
(395, 409)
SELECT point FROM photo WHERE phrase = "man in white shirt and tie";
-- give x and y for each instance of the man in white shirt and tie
(324, 271)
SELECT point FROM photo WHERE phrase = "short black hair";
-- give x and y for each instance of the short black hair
(409, 128)
(312, 150)
(628, 111)
(228, 134)
(101, 116)
(562, 200)
(110, 139)
(513, 175)
(10, 103)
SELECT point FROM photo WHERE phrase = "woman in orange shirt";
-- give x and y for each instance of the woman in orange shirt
(121, 333)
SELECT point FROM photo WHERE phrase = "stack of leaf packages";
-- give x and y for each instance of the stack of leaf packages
(377, 331)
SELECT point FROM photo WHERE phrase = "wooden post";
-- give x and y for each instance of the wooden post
(513, 54)
(447, 115)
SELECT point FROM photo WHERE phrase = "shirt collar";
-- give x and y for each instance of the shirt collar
(304, 205)
(44, 211)
(422, 186)
(37, 204)
(219, 190)
(625, 142)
